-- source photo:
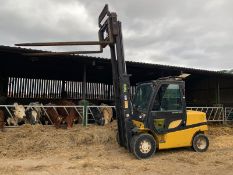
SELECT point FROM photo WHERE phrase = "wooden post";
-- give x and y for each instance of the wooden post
(63, 92)
(84, 82)
(85, 119)
(217, 92)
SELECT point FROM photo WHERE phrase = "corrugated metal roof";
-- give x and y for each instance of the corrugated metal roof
(180, 68)
(18, 49)
(185, 69)
(21, 50)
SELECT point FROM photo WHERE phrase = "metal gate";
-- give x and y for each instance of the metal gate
(90, 112)
(213, 114)
(9, 110)
(228, 114)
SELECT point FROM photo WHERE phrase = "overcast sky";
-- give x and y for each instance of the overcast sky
(191, 33)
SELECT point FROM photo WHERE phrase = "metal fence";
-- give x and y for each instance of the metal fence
(228, 114)
(9, 111)
(213, 114)
(91, 112)
(88, 113)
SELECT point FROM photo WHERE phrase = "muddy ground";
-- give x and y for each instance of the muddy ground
(93, 150)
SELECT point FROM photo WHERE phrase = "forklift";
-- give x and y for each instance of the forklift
(155, 118)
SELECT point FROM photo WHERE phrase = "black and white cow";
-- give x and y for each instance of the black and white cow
(30, 115)
(33, 113)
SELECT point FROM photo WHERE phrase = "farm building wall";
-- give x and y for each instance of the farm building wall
(209, 91)
(26, 78)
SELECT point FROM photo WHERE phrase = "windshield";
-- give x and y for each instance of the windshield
(142, 97)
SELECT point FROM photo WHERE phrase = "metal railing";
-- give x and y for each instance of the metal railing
(92, 110)
(10, 113)
(213, 114)
(228, 114)
(88, 113)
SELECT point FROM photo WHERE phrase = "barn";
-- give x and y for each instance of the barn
(25, 78)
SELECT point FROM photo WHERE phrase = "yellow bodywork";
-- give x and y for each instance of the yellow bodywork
(194, 117)
(174, 124)
(180, 138)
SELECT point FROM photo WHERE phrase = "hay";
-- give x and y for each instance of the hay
(93, 150)
(38, 139)
(29, 140)
(219, 130)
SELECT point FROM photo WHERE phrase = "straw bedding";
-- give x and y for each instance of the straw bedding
(93, 150)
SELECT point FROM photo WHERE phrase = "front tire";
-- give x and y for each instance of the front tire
(143, 146)
(200, 143)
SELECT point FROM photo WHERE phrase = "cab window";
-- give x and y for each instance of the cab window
(168, 98)
(142, 97)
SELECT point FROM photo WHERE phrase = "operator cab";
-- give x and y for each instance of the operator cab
(160, 104)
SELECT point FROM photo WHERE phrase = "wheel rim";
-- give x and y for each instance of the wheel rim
(201, 143)
(145, 146)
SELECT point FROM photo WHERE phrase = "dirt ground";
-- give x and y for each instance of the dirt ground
(93, 150)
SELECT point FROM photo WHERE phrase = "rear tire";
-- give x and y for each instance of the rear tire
(143, 146)
(200, 143)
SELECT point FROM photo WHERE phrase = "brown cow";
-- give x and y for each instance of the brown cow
(70, 114)
(2, 117)
(55, 118)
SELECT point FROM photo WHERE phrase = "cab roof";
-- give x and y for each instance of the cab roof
(164, 79)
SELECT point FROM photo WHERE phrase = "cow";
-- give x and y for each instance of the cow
(69, 114)
(2, 117)
(53, 115)
(102, 115)
(97, 114)
(19, 115)
(106, 113)
(33, 113)
(19, 111)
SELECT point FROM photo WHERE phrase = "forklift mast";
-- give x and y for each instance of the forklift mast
(110, 34)
(121, 82)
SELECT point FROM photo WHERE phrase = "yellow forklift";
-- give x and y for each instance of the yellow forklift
(161, 120)
(156, 118)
